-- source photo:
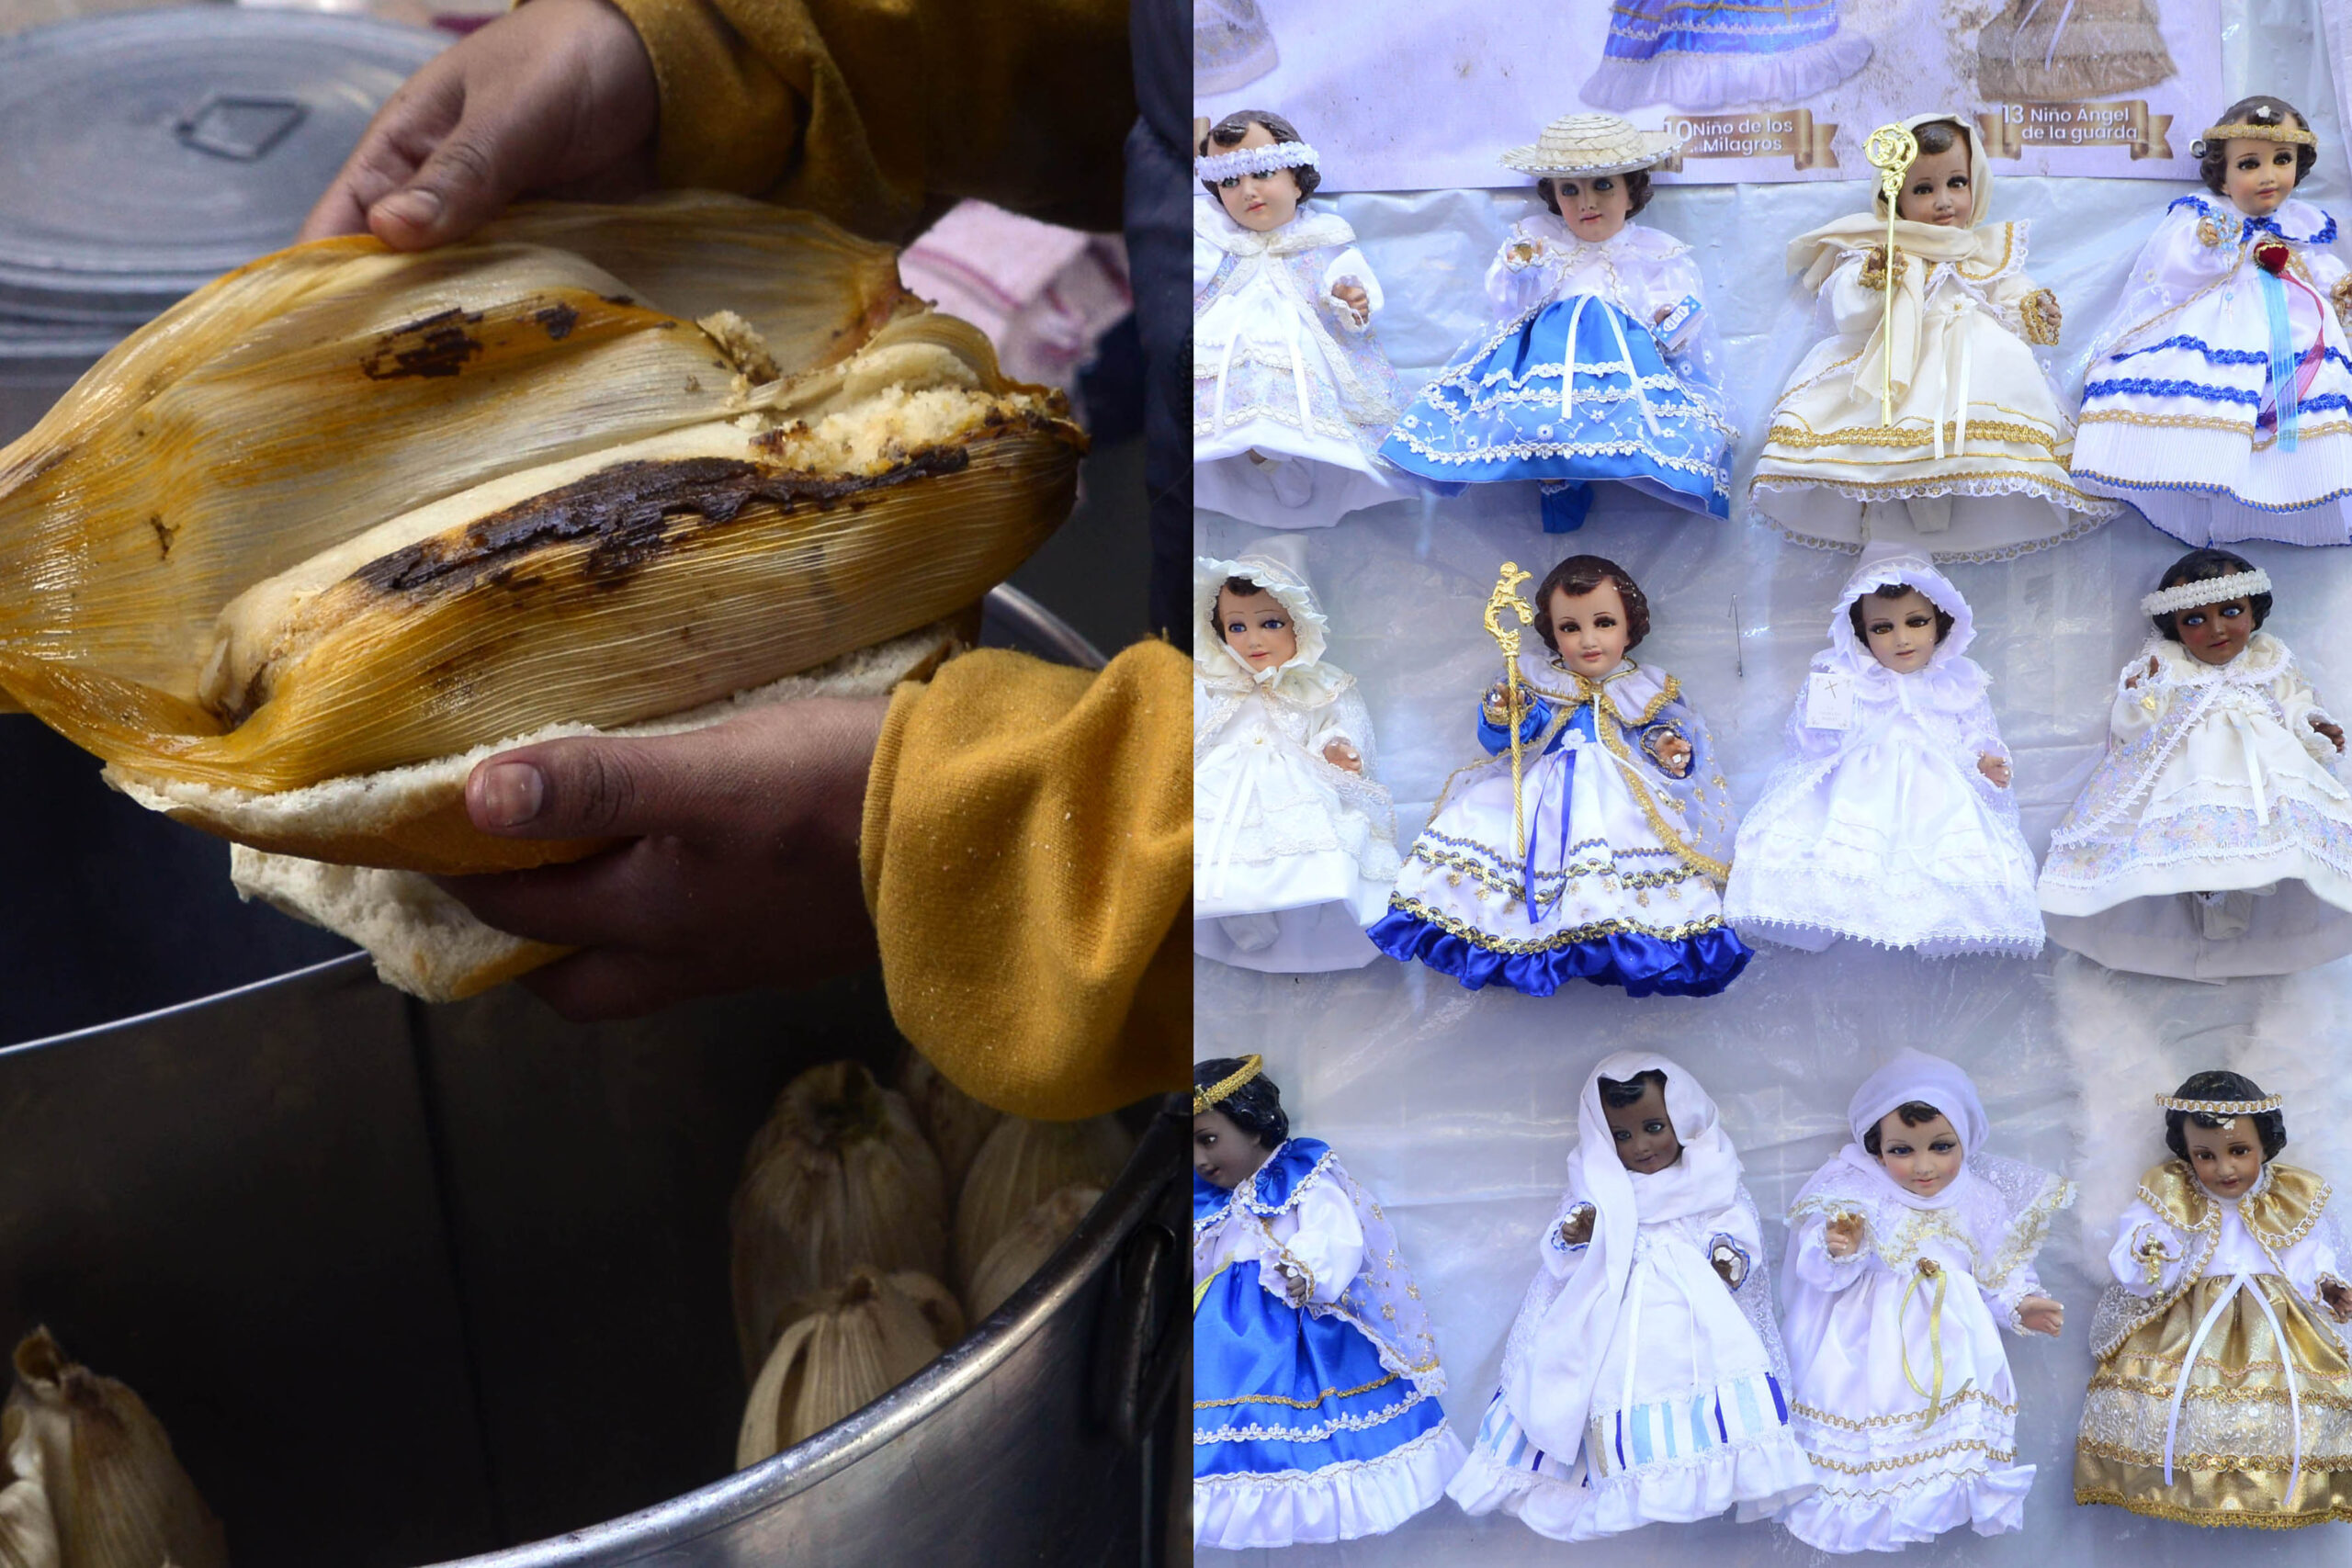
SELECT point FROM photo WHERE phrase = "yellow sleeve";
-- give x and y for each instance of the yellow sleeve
(876, 112)
(1027, 850)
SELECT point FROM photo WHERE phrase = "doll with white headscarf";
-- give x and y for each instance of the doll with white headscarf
(1644, 1379)
(2214, 837)
(1294, 841)
(1922, 415)
(1908, 1254)
(1889, 817)
(2223, 1388)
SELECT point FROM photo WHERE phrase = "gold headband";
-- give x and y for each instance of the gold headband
(2216, 134)
(1204, 1098)
(2222, 1107)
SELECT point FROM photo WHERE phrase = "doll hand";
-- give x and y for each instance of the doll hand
(556, 98)
(2337, 1297)
(1297, 1283)
(1663, 312)
(1995, 769)
(2039, 1314)
(2342, 295)
(1576, 1229)
(1496, 705)
(1674, 755)
(2334, 732)
(1521, 255)
(1929, 1268)
(2039, 313)
(2139, 675)
(1340, 754)
(1842, 1235)
(1349, 293)
(1874, 266)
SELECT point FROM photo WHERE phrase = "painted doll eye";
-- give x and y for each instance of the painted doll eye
(2234, 611)
(1604, 184)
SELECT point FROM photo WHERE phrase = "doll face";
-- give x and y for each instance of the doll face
(1258, 202)
(1645, 1134)
(2214, 633)
(1924, 1159)
(2227, 1160)
(1900, 632)
(1595, 208)
(1935, 188)
(2258, 176)
(1222, 1153)
(1589, 630)
(1256, 627)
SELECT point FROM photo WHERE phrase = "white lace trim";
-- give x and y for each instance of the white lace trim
(1270, 160)
(2212, 591)
(1344, 1422)
(1402, 1455)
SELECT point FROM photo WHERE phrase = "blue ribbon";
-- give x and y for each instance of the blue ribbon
(2282, 354)
(1582, 722)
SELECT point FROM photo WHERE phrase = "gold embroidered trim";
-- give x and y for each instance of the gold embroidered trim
(1871, 1467)
(2180, 1515)
(2242, 131)
(1910, 1418)
(2161, 1388)
(2115, 1453)
(1328, 1394)
(1911, 435)
(1569, 938)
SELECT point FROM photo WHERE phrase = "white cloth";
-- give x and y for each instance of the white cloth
(1879, 824)
(2214, 784)
(1903, 1401)
(2182, 368)
(1292, 855)
(1633, 1341)
(1270, 374)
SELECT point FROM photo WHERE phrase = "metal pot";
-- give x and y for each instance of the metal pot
(407, 1282)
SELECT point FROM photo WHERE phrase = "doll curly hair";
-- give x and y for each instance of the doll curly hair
(2259, 109)
(1618, 1093)
(1891, 591)
(2270, 1126)
(1580, 575)
(1226, 134)
(1240, 588)
(1637, 190)
(1256, 1107)
(1915, 1113)
(2204, 566)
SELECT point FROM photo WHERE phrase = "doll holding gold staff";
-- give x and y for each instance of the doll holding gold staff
(1922, 416)
(1593, 841)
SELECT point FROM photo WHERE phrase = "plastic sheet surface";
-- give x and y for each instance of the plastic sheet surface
(1458, 1109)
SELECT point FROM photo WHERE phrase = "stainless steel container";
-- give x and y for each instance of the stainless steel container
(407, 1283)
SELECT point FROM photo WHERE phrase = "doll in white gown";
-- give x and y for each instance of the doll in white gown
(1889, 819)
(1291, 392)
(2218, 398)
(1971, 465)
(2222, 1392)
(1595, 848)
(1294, 841)
(1644, 1379)
(1908, 1256)
(2214, 839)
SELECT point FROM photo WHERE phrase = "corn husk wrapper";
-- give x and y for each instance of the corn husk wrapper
(27, 1530)
(1022, 1164)
(955, 1123)
(846, 1348)
(837, 1178)
(117, 1497)
(1020, 1252)
(345, 509)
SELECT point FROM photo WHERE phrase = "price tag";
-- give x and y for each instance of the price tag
(1829, 700)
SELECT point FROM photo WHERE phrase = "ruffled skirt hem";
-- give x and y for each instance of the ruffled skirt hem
(1695, 965)
(1240, 1512)
(1758, 1479)
(1990, 1503)
(1697, 83)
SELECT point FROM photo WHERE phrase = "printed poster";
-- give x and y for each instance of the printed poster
(1427, 96)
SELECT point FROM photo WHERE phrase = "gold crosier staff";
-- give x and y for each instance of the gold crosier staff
(1506, 597)
(1891, 150)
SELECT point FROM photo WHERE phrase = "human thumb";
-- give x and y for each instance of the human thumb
(590, 787)
(461, 186)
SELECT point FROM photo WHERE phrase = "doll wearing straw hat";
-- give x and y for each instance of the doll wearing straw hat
(1600, 365)
(1922, 416)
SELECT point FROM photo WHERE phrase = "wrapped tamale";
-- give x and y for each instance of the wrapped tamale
(346, 513)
